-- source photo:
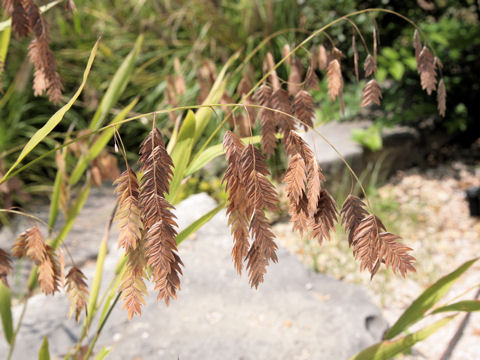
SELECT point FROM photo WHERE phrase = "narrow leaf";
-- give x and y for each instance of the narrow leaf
(55, 119)
(55, 199)
(99, 144)
(181, 154)
(72, 214)
(44, 353)
(388, 349)
(429, 297)
(466, 305)
(6, 312)
(117, 85)
(102, 354)
(197, 224)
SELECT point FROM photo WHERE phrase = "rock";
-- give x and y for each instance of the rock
(295, 313)
(402, 148)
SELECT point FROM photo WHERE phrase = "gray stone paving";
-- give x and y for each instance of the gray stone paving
(295, 314)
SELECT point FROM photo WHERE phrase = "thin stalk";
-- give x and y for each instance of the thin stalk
(17, 329)
(101, 325)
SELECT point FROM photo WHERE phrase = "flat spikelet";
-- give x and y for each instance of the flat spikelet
(133, 286)
(31, 244)
(128, 213)
(371, 93)
(158, 219)
(325, 217)
(314, 185)
(263, 95)
(238, 212)
(426, 68)
(395, 254)
(303, 179)
(300, 217)
(77, 290)
(322, 57)
(355, 57)
(417, 44)
(281, 102)
(295, 77)
(46, 77)
(311, 79)
(295, 179)
(441, 98)
(370, 66)
(366, 243)
(20, 21)
(260, 192)
(268, 67)
(268, 125)
(263, 249)
(49, 272)
(304, 108)
(353, 212)
(268, 122)
(5, 266)
(260, 195)
(294, 144)
(334, 79)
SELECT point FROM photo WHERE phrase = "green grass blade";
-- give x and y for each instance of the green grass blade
(212, 152)
(4, 41)
(72, 214)
(197, 224)
(388, 349)
(6, 312)
(181, 154)
(44, 353)
(55, 200)
(102, 354)
(98, 145)
(429, 297)
(55, 119)
(117, 85)
(203, 115)
(466, 305)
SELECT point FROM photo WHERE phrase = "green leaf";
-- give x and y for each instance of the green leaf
(429, 297)
(370, 138)
(4, 41)
(99, 144)
(44, 353)
(381, 74)
(55, 199)
(117, 85)
(388, 349)
(102, 354)
(390, 53)
(181, 154)
(203, 115)
(7, 23)
(212, 152)
(466, 305)
(197, 224)
(55, 119)
(397, 69)
(6, 312)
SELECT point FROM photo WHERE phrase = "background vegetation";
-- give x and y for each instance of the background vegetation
(186, 37)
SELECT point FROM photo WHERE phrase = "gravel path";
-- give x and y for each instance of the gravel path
(429, 210)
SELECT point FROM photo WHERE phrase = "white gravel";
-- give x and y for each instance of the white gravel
(429, 211)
